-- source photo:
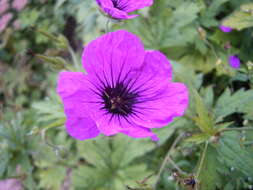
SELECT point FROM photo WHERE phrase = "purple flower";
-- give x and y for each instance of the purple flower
(234, 61)
(127, 90)
(4, 21)
(19, 4)
(225, 29)
(119, 9)
(4, 6)
(11, 183)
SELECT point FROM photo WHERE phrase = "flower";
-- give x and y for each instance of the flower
(119, 9)
(19, 4)
(4, 21)
(234, 61)
(225, 29)
(11, 183)
(127, 90)
(4, 6)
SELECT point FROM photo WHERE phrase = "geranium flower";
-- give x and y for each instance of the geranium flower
(119, 9)
(4, 6)
(127, 90)
(4, 21)
(19, 4)
(225, 29)
(234, 61)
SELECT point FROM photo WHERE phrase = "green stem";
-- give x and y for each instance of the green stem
(57, 123)
(176, 166)
(50, 36)
(14, 177)
(248, 143)
(237, 129)
(74, 58)
(201, 162)
(107, 29)
(212, 48)
(167, 158)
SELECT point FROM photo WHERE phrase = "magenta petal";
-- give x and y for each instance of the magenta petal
(105, 3)
(107, 125)
(119, 50)
(139, 132)
(73, 87)
(70, 82)
(118, 9)
(113, 56)
(225, 29)
(113, 50)
(81, 128)
(161, 106)
(133, 5)
(157, 64)
(234, 62)
(117, 14)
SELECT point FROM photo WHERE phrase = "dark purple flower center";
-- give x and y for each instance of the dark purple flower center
(119, 99)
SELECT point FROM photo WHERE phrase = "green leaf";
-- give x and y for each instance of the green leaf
(209, 177)
(195, 60)
(134, 173)
(111, 161)
(241, 19)
(59, 3)
(186, 74)
(90, 178)
(52, 178)
(204, 120)
(29, 18)
(248, 7)
(229, 186)
(4, 157)
(229, 103)
(50, 110)
(221, 126)
(105, 178)
(157, 37)
(234, 155)
(135, 147)
(208, 17)
(110, 152)
(189, 16)
(198, 138)
(96, 152)
(208, 96)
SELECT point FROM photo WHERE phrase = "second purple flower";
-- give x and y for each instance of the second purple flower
(119, 9)
(234, 61)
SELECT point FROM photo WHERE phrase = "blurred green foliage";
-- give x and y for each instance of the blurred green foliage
(213, 149)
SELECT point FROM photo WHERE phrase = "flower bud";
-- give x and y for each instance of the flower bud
(57, 63)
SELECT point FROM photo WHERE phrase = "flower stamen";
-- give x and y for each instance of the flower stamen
(117, 100)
